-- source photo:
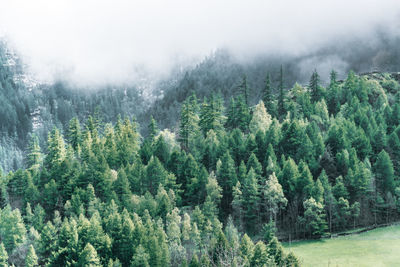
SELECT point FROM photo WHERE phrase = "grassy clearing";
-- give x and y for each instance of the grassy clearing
(379, 247)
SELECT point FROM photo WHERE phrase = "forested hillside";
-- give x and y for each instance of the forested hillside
(29, 107)
(35, 107)
(217, 190)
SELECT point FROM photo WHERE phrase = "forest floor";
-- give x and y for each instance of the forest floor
(378, 247)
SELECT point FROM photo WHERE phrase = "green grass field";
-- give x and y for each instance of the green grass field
(379, 247)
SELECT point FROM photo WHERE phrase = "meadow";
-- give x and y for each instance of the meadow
(378, 247)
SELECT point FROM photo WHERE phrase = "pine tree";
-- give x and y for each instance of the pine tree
(188, 121)
(125, 238)
(251, 200)
(153, 128)
(314, 86)
(88, 257)
(274, 196)
(333, 96)
(127, 141)
(275, 249)
(12, 228)
(305, 182)
(122, 188)
(292, 260)
(110, 147)
(155, 175)
(227, 178)
(74, 133)
(314, 218)
(281, 97)
(140, 258)
(237, 204)
(261, 120)
(194, 262)
(47, 241)
(339, 190)
(393, 144)
(246, 248)
(244, 89)
(35, 155)
(384, 173)
(268, 96)
(242, 114)
(210, 207)
(253, 162)
(211, 115)
(3, 256)
(231, 122)
(31, 259)
(161, 150)
(288, 178)
(56, 149)
(164, 203)
(260, 255)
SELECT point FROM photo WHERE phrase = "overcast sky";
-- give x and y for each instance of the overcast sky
(97, 41)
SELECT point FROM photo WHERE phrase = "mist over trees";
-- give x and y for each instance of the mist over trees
(219, 188)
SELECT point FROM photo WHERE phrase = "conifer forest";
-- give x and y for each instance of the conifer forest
(216, 165)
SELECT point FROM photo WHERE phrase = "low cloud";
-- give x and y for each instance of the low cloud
(96, 42)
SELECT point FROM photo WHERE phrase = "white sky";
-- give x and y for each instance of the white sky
(98, 41)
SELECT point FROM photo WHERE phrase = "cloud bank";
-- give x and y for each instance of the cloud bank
(111, 41)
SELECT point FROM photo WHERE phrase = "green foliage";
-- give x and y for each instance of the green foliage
(88, 257)
(261, 120)
(140, 258)
(315, 88)
(314, 218)
(384, 173)
(3, 256)
(12, 228)
(105, 196)
(31, 259)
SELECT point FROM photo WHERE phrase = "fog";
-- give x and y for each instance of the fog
(94, 42)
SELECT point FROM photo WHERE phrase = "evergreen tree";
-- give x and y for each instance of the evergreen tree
(314, 86)
(56, 149)
(281, 97)
(188, 122)
(194, 262)
(127, 141)
(210, 207)
(268, 95)
(47, 241)
(3, 256)
(31, 259)
(74, 133)
(35, 155)
(244, 89)
(251, 200)
(384, 173)
(237, 203)
(153, 128)
(227, 178)
(155, 175)
(242, 114)
(274, 196)
(88, 257)
(12, 228)
(211, 115)
(275, 249)
(314, 218)
(261, 119)
(260, 255)
(140, 258)
(122, 188)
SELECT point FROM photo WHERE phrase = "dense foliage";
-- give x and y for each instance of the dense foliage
(216, 191)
